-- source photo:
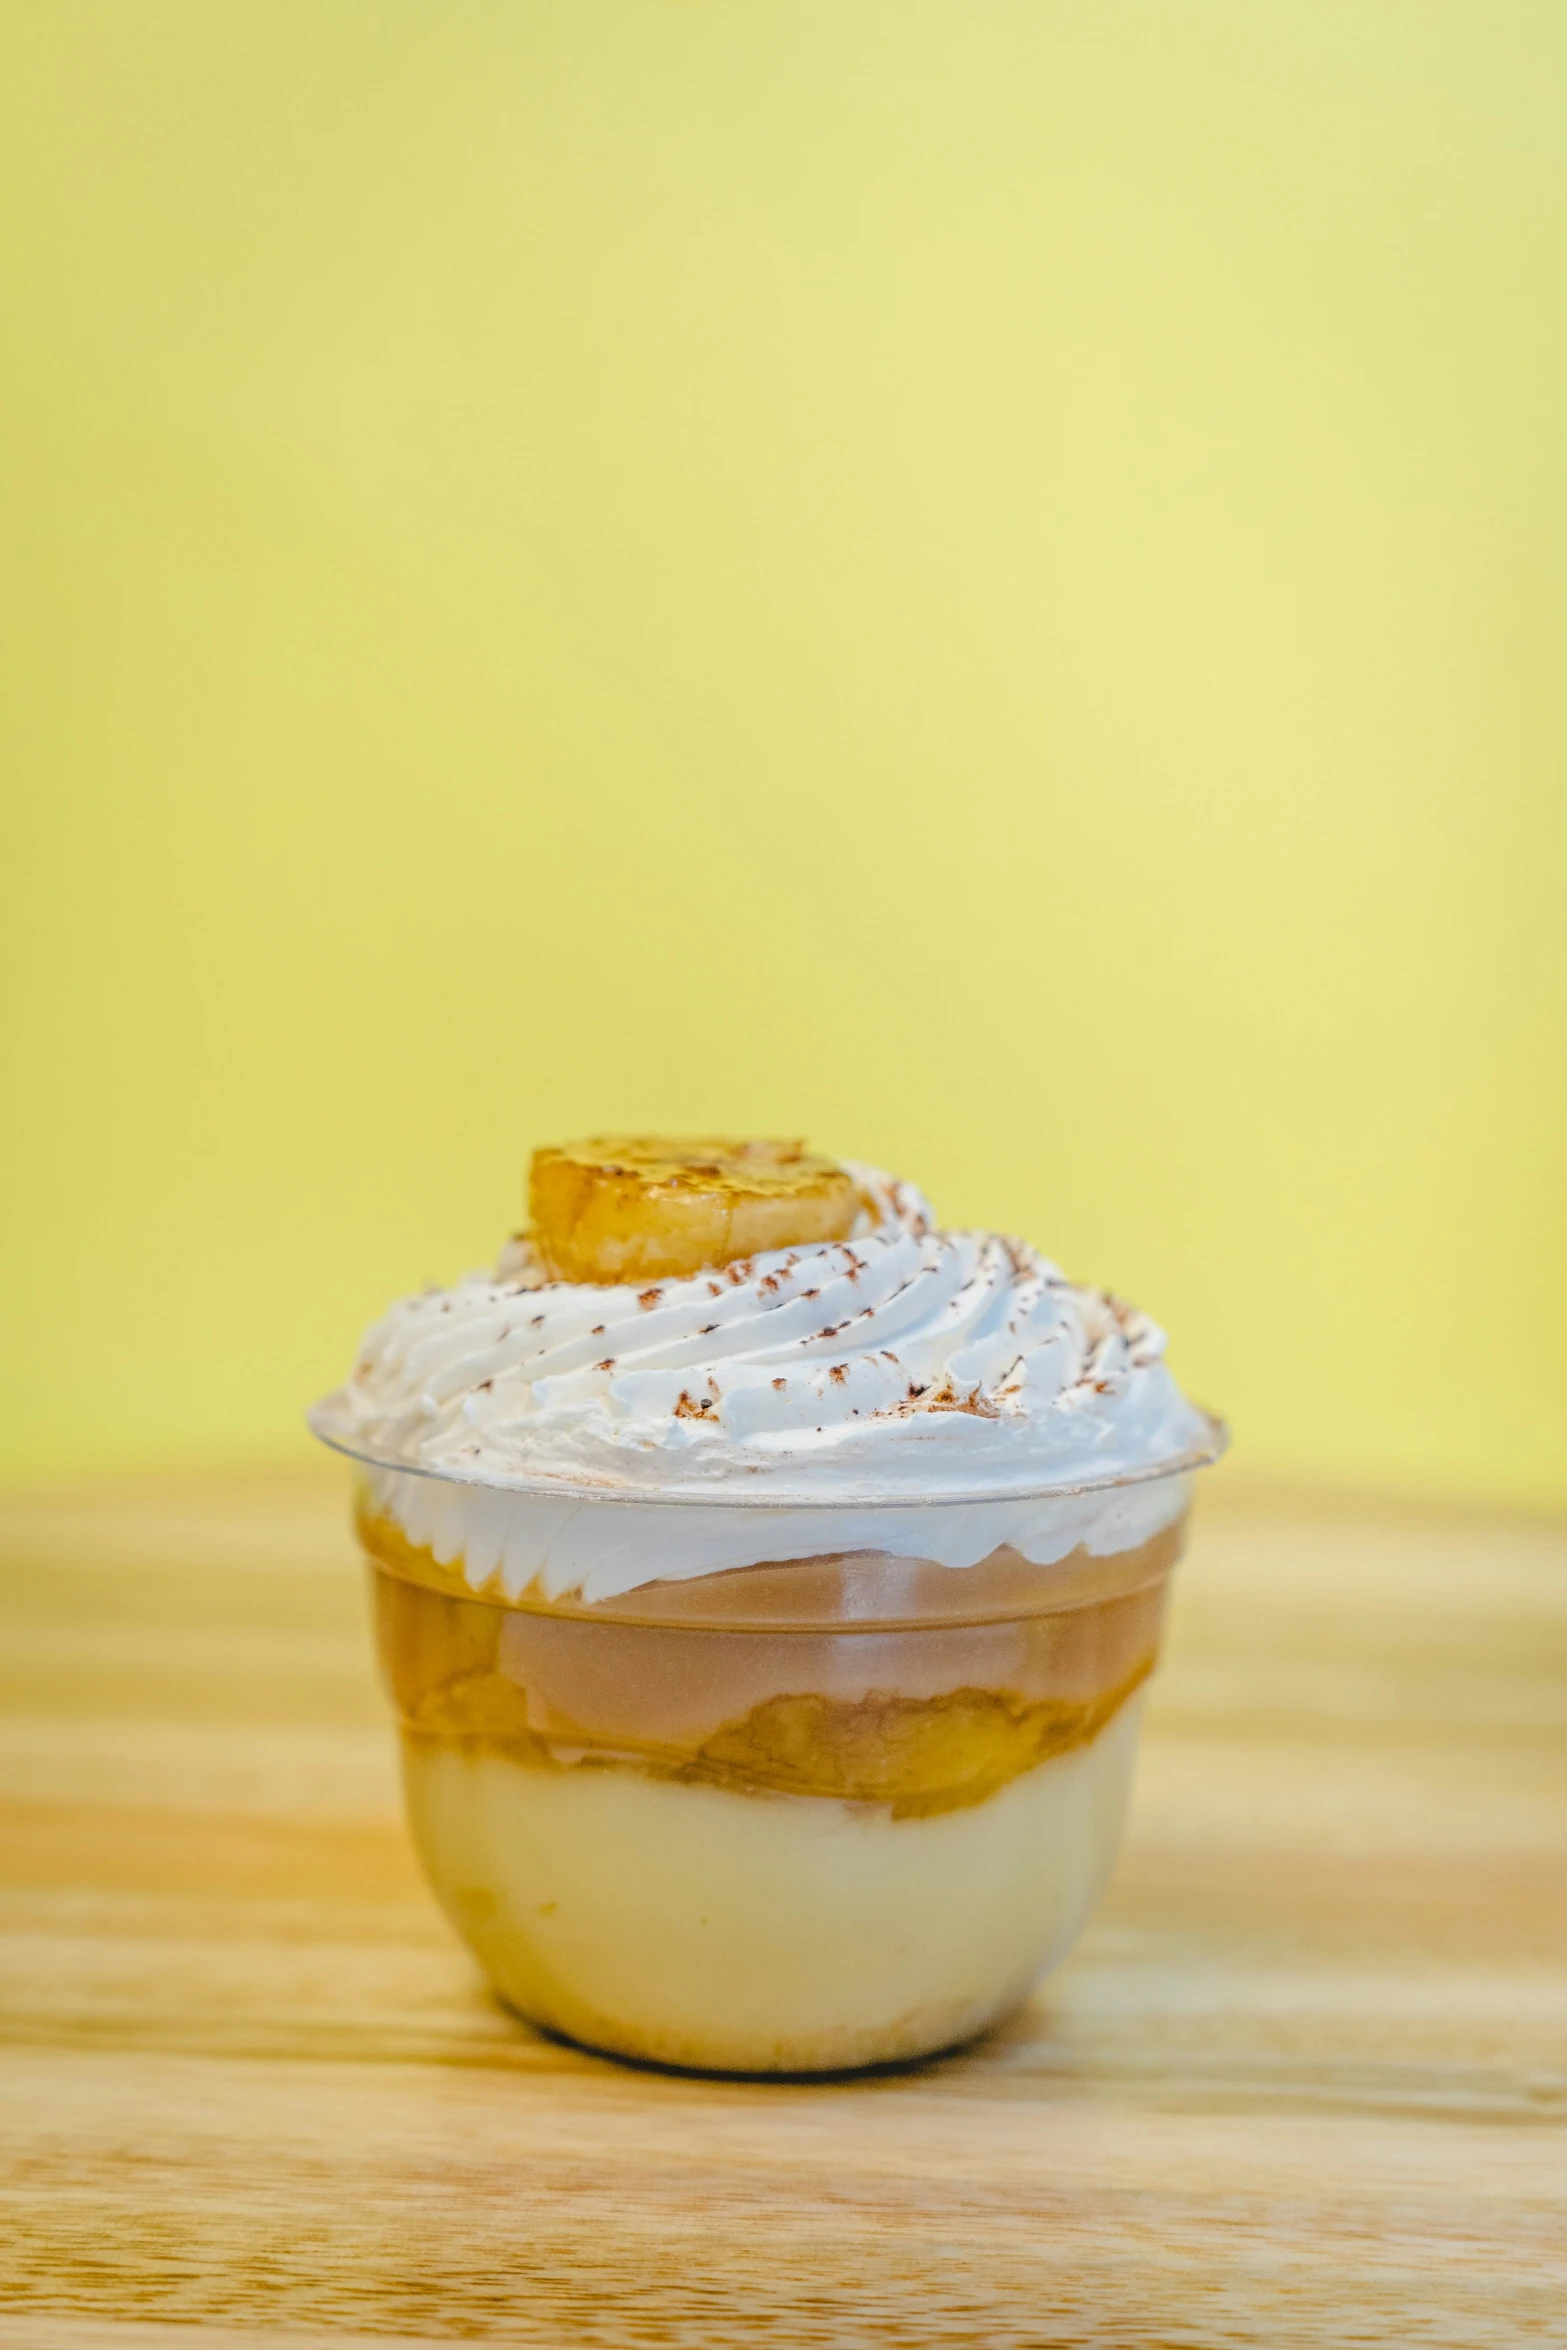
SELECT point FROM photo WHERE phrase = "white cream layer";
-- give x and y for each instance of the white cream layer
(599, 1548)
(763, 1932)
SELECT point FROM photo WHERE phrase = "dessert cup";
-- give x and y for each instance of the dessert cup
(766, 1786)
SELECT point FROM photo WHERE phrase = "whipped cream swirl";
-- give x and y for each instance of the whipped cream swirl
(904, 1359)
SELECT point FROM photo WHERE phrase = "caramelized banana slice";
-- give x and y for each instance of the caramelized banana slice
(623, 1208)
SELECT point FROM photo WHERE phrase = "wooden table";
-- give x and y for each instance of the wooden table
(1304, 2082)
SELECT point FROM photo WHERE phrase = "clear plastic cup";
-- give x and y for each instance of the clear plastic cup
(834, 1788)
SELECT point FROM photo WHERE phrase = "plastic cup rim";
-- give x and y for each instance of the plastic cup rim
(324, 1423)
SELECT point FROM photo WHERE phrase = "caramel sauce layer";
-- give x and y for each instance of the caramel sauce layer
(917, 1755)
(456, 1680)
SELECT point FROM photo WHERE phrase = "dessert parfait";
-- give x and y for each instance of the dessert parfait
(766, 1582)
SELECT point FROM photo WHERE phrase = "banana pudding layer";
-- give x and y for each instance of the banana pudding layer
(689, 1924)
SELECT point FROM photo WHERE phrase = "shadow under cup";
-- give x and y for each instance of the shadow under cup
(794, 1815)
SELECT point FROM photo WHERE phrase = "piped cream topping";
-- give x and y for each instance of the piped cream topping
(906, 1359)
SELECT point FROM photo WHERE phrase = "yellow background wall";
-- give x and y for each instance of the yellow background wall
(982, 579)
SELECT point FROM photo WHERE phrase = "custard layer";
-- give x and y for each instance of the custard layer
(758, 1932)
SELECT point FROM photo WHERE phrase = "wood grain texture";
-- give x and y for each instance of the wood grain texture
(1305, 2081)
